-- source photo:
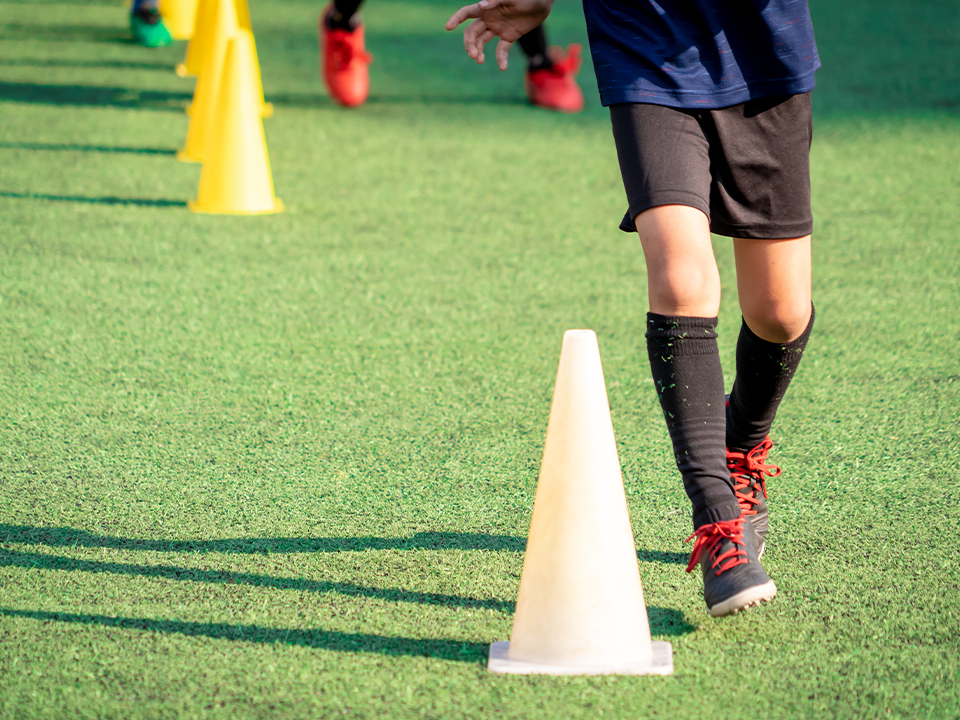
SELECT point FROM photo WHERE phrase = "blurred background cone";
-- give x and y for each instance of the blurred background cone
(236, 178)
(580, 610)
(243, 15)
(243, 20)
(199, 40)
(180, 17)
(196, 50)
(203, 110)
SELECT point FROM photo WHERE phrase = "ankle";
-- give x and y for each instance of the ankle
(540, 61)
(339, 21)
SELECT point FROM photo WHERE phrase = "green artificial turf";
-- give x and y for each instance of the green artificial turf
(283, 466)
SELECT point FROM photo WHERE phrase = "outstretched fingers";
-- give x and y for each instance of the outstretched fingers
(462, 15)
(503, 50)
(487, 25)
(475, 37)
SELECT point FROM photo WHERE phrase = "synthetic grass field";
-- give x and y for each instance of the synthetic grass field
(283, 467)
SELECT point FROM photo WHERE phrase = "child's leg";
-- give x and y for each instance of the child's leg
(342, 15)
(773, 282)
(550, 78)
(684, 293)
(534, 46)
(343, 55)
(665, 163)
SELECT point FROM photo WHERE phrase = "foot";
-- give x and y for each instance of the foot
(749, 472)
(733, 578)
(149, 29)
(554, 87)
(344, 61)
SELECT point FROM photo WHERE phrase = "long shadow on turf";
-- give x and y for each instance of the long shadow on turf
(89, 95)
(70, 537)
(313, 638)
(65, 33)
(105, 96)
(106, 200)
(663, 622)
(9, 558)
(116, 64)
(69, 147)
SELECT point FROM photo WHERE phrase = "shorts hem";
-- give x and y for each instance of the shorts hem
(663, 197)
(764, 232)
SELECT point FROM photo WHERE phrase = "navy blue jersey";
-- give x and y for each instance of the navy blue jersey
(700, 53)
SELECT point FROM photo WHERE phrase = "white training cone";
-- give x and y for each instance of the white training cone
(580, 610)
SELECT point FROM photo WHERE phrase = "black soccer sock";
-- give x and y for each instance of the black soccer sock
(689, 380)
(534, 46)
(764, 371)
(342, 17)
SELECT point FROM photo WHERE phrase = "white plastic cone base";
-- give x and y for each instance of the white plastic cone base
(660, 663)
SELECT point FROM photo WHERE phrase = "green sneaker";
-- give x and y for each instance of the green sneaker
(149, 29)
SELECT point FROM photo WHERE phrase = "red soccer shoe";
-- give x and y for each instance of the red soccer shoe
(345, 62)
(555, 88)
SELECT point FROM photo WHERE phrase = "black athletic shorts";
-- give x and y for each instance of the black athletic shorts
(746, 166)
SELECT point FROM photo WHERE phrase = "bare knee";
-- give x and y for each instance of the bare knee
(779, 321)
(684, 288)
(682, 273)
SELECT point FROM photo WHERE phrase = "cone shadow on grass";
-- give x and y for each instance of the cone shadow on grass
(311, 637)
(10, 558)
(104, 200)
(65, 33)
(67, 63)
(121, 97)
(72, 537)
(72, 147)
(90, 95)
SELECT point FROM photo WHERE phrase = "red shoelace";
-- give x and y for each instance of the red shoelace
(748, 469)
(711, 537)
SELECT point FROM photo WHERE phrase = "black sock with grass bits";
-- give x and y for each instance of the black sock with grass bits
(685, 363)
(764, 372)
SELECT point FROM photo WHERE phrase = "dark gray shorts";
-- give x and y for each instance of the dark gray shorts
(746, 166)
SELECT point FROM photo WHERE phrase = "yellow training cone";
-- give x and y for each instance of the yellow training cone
(199, 40)
(180, 17)
(243, 15)
(236, 178)
(266, 108)
(580, 610)
(193, 64)
(204, 113)
(243, 20)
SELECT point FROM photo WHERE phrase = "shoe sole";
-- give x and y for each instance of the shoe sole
(744, 599)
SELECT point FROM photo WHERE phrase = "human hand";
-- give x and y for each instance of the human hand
(505, 19)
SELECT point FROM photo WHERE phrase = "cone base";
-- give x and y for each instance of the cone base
(660, 664)
(195, 207)
(184, 156)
